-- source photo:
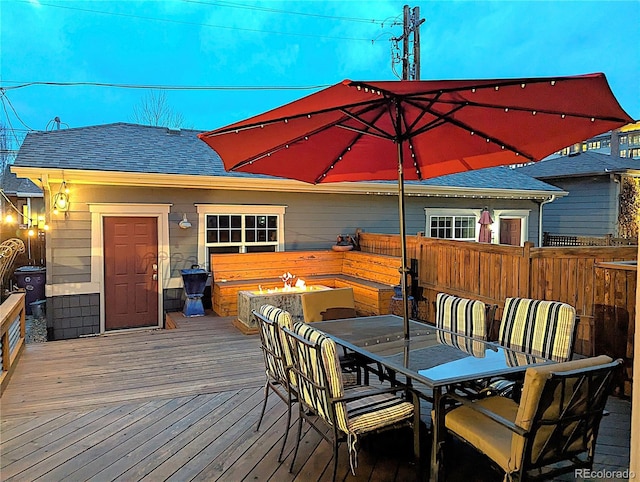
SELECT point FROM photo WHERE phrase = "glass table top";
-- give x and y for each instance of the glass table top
(432, 356)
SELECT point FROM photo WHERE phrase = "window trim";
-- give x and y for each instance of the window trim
(237, 209)
(450, 212)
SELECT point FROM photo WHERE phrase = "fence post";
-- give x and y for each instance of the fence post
(526, 265)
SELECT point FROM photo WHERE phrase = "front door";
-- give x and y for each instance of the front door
(130, 272)
(510, 231)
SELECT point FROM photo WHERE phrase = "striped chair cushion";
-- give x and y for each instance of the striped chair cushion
(541, 328)
(461, 315)
(324, 370)
(358, 416)
(283, 319)
(375, 411)
(273, 352)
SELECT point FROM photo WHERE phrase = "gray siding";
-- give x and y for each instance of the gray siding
(312, 221)
(590, 209)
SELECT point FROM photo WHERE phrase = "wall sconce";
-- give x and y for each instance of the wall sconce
(60, 202)
(61, 199)
(184, 224)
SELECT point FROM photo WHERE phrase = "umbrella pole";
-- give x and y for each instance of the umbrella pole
(403, 244)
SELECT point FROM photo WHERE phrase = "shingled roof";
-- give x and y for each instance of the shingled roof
(133, 148)
(580, 164)
(18, 186)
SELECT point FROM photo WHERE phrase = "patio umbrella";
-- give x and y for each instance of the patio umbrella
(414, 130)
(484, 236)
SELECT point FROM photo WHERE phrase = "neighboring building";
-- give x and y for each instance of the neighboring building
(164, 196)
(603, 194)
(623, 142)
(22, 210)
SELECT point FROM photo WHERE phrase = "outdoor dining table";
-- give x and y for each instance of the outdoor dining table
(431, 359)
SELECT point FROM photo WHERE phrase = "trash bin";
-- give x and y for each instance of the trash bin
(32, 279)
(195, 280)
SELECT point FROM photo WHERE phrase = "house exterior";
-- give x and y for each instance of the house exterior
(141, 203)
(603, 194)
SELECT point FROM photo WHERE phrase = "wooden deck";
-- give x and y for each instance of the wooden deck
(182, 405)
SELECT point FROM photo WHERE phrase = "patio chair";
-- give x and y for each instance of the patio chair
(314, 303)
(541, 328)
(277, 361)
(551, 431)
(348, 412)
(545, 329)
(464, 316)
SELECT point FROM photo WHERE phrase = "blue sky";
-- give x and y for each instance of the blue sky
(287, 44)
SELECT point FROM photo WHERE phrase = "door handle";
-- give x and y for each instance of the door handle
(154, 277)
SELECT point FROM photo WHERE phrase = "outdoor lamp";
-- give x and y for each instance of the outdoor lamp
(184, 224)
(61, 202)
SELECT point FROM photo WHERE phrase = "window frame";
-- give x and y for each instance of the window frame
(452, 213)
(236, 210)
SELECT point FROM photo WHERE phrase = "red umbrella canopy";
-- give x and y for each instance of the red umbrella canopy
(351, 131)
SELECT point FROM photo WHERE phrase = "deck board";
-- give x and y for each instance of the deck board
(182, 404)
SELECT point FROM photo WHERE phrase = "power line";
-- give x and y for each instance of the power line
(185, 22)
(21, 84)
(3, 95)
(287, 12)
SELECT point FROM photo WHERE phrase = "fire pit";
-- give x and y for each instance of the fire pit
(287, 297)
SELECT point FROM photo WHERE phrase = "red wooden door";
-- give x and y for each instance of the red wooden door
(130, 272)
(510, 231)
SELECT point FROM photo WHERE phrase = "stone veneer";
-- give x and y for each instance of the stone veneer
(71, 316)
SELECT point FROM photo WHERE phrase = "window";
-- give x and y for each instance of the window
(623, 139)
(623, 153)
(593, 145)
(239, 229)
(634, 153)
(634, 139)
(453, 227)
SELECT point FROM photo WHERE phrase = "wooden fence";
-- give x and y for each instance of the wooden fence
(12, 332)
(602, 296)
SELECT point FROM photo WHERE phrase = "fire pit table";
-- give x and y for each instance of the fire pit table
(286, 298)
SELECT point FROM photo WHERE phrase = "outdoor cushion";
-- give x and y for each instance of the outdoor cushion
(283, 319)
(483, 433)
(461, 315)
(534, 382)
(315, 302)
(331, 364)
(542, 328)
(498, 442)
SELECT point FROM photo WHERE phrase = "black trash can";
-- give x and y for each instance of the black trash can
(33, 280)
(195, 280)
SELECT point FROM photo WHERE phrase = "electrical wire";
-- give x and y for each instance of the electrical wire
(159, 87)
(6, 113)
(185, 22)
(4, 96)
(286, 12)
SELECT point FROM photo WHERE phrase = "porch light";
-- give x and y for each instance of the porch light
(61, 201)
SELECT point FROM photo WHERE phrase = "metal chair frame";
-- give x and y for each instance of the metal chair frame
(573, 433)
(277, 370)
(302, 367)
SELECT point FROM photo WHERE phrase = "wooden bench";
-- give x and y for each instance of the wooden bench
(371, 276)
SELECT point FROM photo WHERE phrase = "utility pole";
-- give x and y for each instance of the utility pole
(405, 43)
(410, 33)
(416, 42)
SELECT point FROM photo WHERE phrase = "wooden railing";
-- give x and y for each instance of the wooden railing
(12, 332)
